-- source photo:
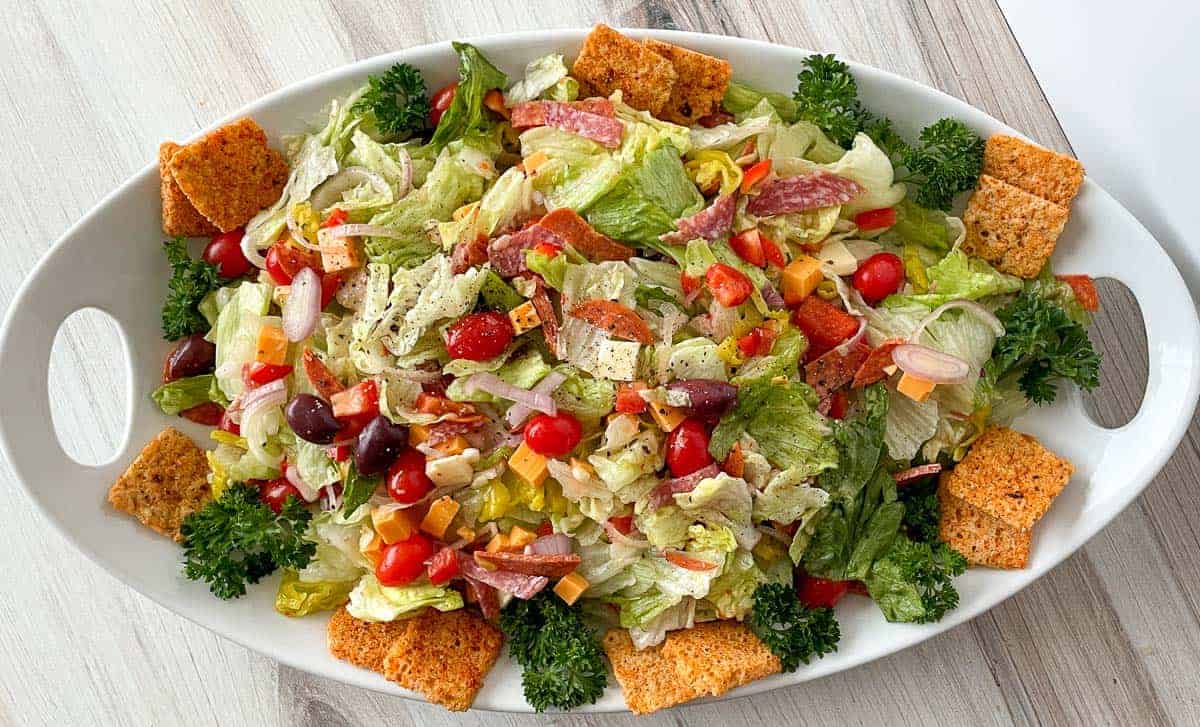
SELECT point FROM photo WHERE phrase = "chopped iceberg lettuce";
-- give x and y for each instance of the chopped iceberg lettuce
(371, 601)
(541, 75)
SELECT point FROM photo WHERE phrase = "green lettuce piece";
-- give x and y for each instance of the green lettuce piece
(315, 466)
(659, 585)
(567, 89)
(507, 200)
(959, 276)
(552, 268)
(696, 358)
(801, 228)
(645, 133)
(632, 461)
(236, 333)
(524, 371)
(911, 583)
(722, 501)
(238, 465)
(609, 280)
(918, 225)
(449, 186)
(863, 517)
(784, 360)
(742, 99)
(497, 294)
(440, 295)
(384, 160)
(541, 75)
(1058, 292)
(337, 557)
(788, 498)
(186, 393)
(702, 537)
(300, 598)
(579, 170)
(783, 420)
(476, 76)
(647, 200)
(732, 593)
(584, 396)
(866, 164)
(371, 601)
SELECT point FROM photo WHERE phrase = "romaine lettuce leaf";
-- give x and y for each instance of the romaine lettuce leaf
(466, 115)
(783, 420)
(647, 200)
(742, 99)
(236, 334)
(959, 276)
(185, 393)
(371, 601)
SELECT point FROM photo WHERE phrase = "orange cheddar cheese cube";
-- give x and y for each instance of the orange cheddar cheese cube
(519, 537)
(570, 587)
(667, 417)
(417, 434)
(914, 387)
(371, 545)
(438, 518)
(524, 318)
(800, 278)
(455, 445)
(392, 524)
(272, 346)
(528, 465)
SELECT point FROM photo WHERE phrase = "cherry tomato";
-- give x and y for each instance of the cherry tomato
(338, 452)
(406, 478)
(875, 219)
(748, 246)
(623, 523)
(479, 336)
(879, 276)
(225, 251)
(284, 260)
(821, 592)
(443, 566)
(208, 413)
(629, 401)
(403, 562)
(264, 373)
(687, 448)
(545, 527)
(274, 493)
(440, 102)
(553, 436)
(729, 285)
(772, 252)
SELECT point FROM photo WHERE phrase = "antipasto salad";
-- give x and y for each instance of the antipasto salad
(614, 356)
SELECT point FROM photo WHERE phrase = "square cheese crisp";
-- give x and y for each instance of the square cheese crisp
(179, 217)
(1009, 476)
(167, 482)
(609, 62)
(1011, 228)
(700, 84)
(981, 538)
(362, 643)
(444, 656)
(1043, 173)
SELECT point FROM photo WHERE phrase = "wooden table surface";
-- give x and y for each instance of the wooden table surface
(1111, 636)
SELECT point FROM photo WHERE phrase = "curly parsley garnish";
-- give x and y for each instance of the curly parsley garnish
(397, 98)
(828, 97)
(191, 280)
(792, 631)
(912, 582)
(236, 539)
(562, 661)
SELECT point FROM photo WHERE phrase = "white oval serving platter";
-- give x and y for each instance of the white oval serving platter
(111, 260)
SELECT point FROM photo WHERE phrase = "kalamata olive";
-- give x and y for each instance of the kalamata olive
(710, 397)
(379, 443)
(311, 418)
(192, 356)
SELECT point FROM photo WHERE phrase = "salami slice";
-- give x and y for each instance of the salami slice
(507, 252)
(319, 375)
(805, 192)
(575, 231)
(872, 369)
(912, 474)
(545, 310)
(532, 564)
(484, 596)
(602, 129)
(520, 585)
(711, 223)
(834, 370)
(664, 493)
(467, 254)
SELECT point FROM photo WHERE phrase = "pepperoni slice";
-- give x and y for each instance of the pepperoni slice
(872, 369)
(319, 375)
(615, 318)
(574, 230)
(664, 493)
(545, 310)
(710, 223)
(805, 192)
(834, 370)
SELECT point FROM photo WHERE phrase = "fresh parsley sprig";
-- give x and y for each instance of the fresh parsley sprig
(561, 658)
(236, 539)
(827, 95)
(398, 100)
(191, 280)
(792, 631)
(912, 583)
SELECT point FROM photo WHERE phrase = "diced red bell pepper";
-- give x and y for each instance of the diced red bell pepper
(494, 101)
(729, 285)
(875, 219)
(357, 401)
(824, 325)
(821, 592)
(263, 373)
(629, 401)
(339, 453)
(623, 523)
(547, 249)
(319, 375)
(330, 282)
(754, 174)
(443, 566)
(772, 252)
(1084, 289)
(208, 413)
(748, 246)
(336, 218)
(839, 404)
(689, 284)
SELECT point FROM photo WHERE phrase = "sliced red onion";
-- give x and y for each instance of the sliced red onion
(520, 411)
(852, 341)
(270, 394)
(553, 544)
(302, 309)
(926, 363)
(251, 253)
(331, 190)
(292, 473)
(915, 473)
(771, 297)
(616, 537)
(969, 305)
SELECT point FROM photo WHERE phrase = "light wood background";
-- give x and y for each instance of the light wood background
(87, 91)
